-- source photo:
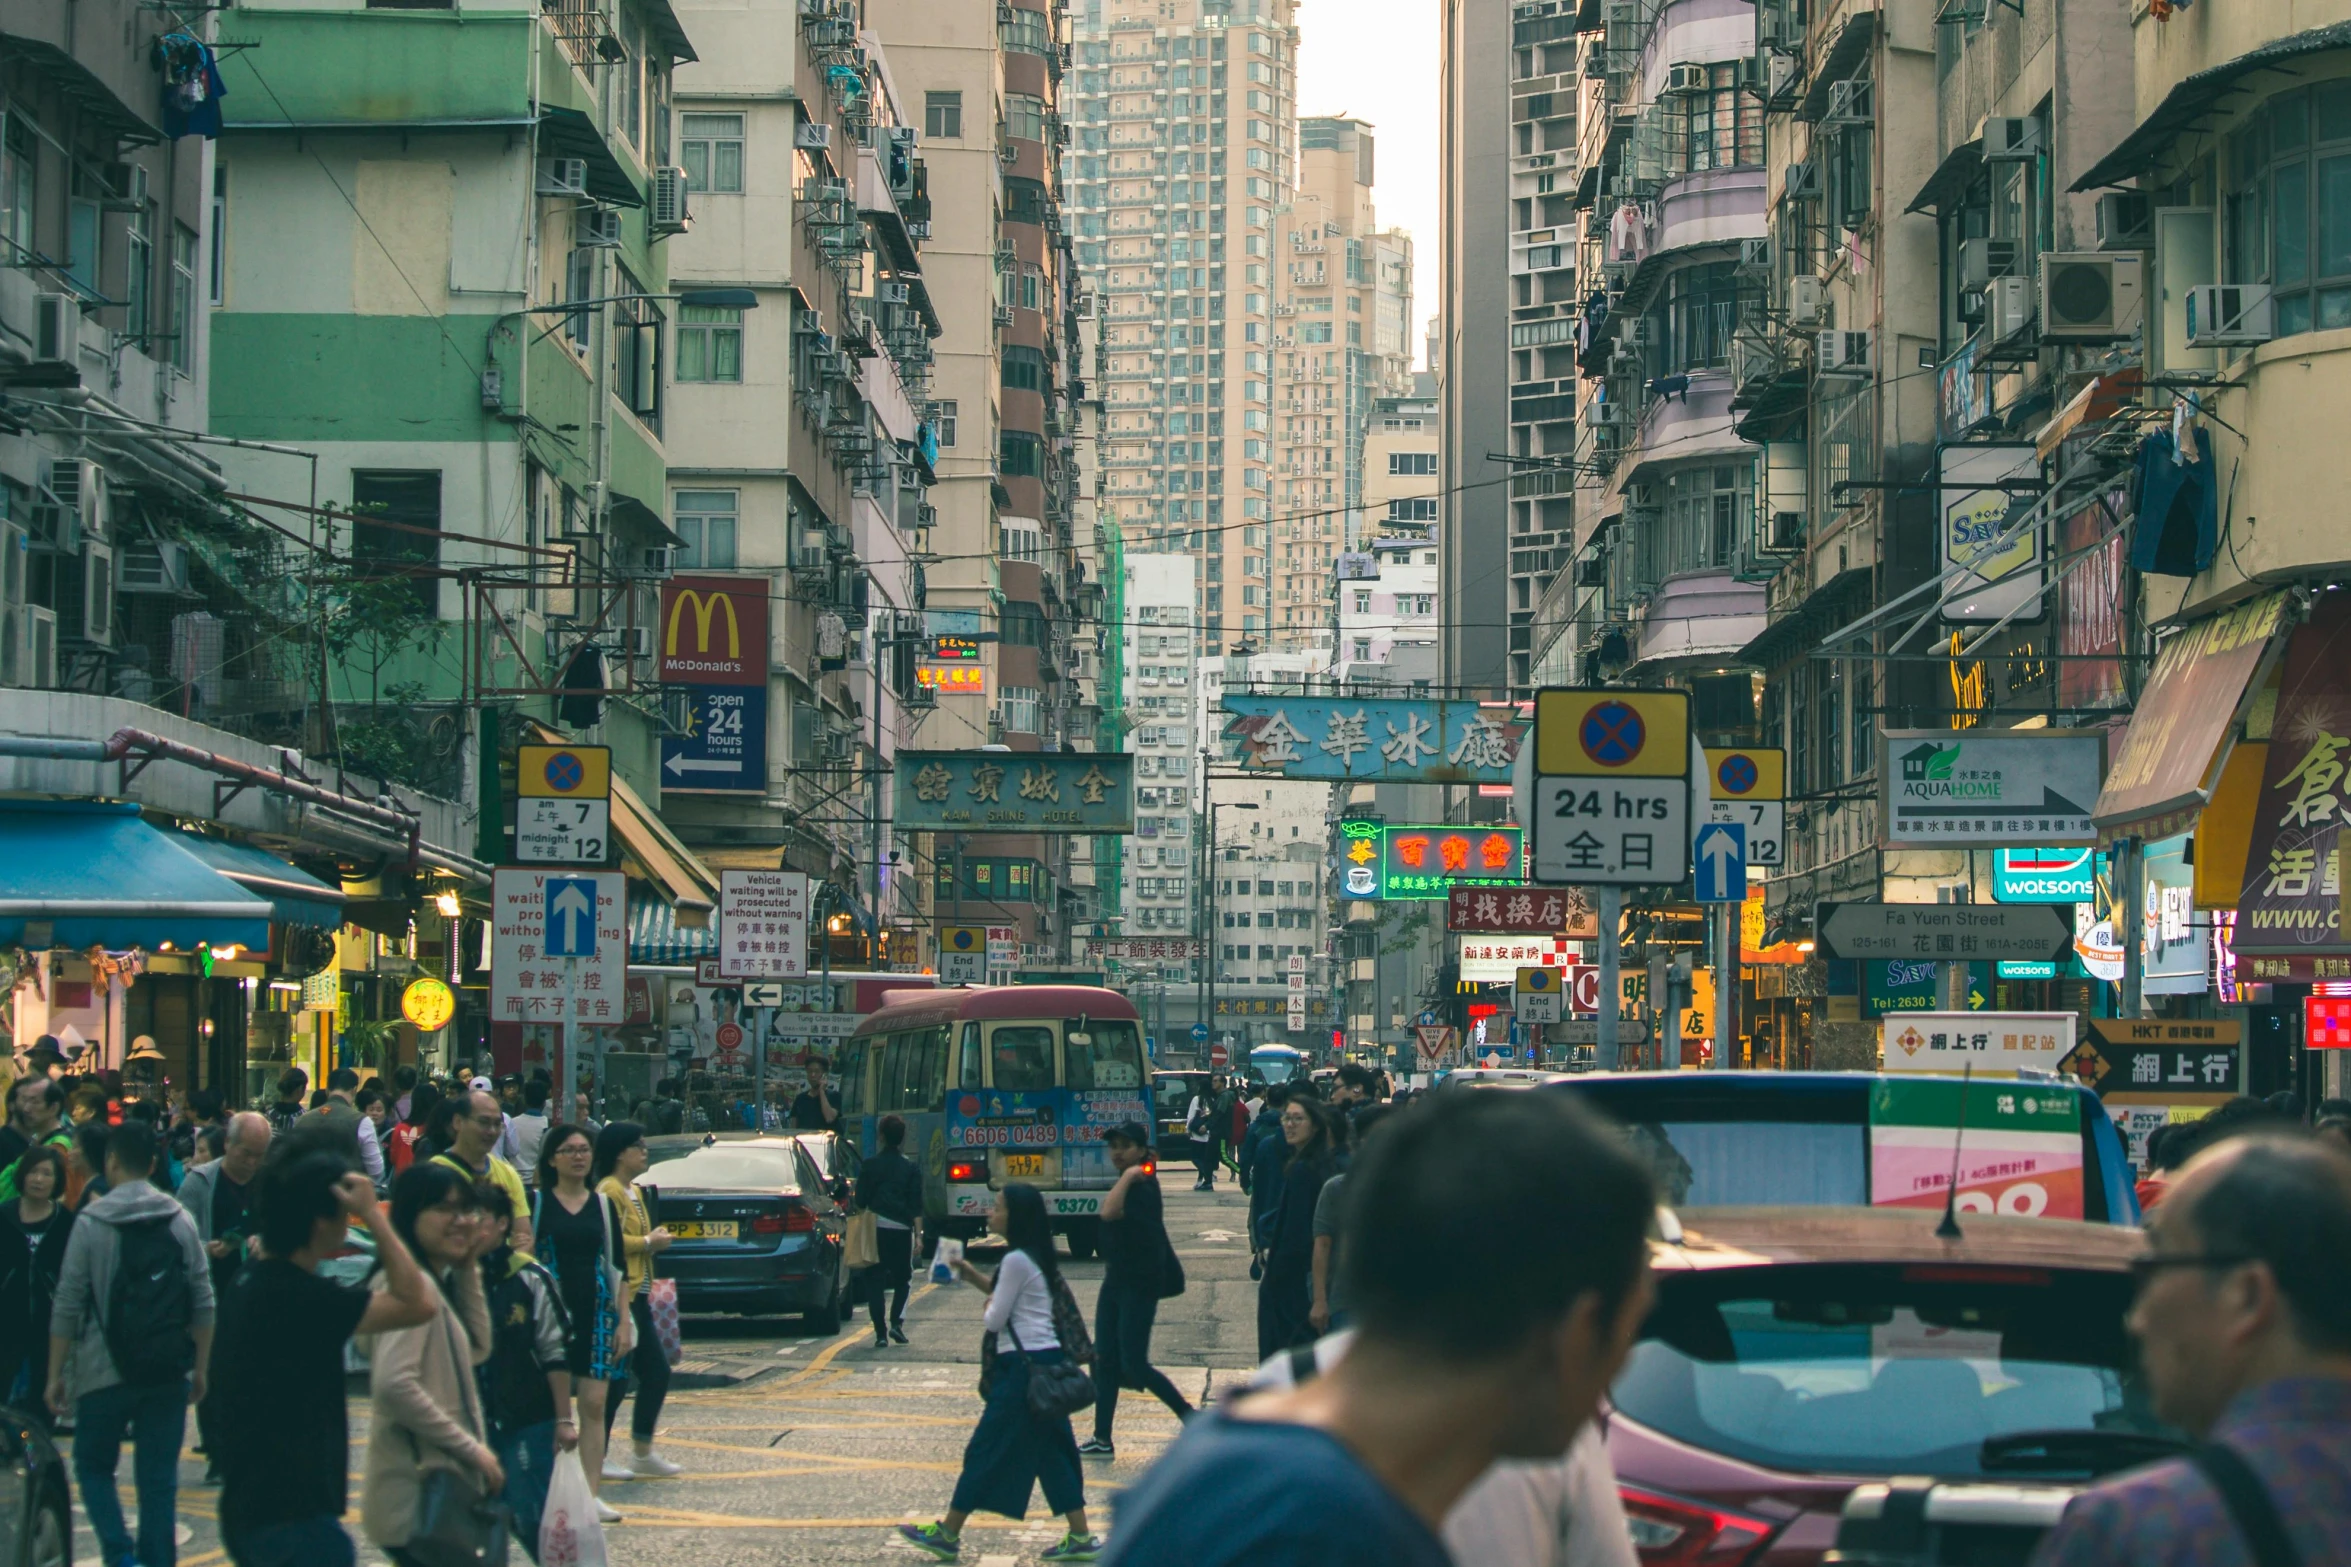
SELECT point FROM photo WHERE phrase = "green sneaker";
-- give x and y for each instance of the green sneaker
(1074, 1548)
(946, 1547)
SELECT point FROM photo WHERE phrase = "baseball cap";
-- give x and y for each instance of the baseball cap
(1129, 1132)
(480, 1084)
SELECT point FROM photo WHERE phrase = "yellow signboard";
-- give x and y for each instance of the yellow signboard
(1748, 772)
(564, 772)
(1540, 981)
(1612, 734)
(429, 1004)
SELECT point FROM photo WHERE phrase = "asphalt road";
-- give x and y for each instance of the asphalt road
(801, 1449)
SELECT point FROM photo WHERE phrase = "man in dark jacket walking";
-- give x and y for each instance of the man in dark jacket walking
(1139, 1269)
(219, 1197)
(890, 1188)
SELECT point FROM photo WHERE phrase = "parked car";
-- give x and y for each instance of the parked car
(756, 1228)
(825, 1152)
(1795, 1354)
(1171, 1096)
(1763, 1137)
(36, 1514)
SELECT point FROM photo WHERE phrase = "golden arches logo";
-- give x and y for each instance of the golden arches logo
(706, 607)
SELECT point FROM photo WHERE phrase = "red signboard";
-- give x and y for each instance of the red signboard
(713, 631)
(1521, 911)
(2326, 1022)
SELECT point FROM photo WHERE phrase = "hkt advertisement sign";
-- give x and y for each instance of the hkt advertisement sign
(2021, 1154)
(713, 631)
(1377, 860)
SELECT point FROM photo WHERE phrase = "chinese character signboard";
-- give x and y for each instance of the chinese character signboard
(1015, 791)
(1944, 789)
(1990, 1042)
(528, 986)
(2021, 1153)
(763, 925)
(1392, 741)
(2292, 886)
(1612, 787)
(1145, 949)
(1521, 911)
(714, 631)
(954, 679)
(1496, 960)
(1378, 860)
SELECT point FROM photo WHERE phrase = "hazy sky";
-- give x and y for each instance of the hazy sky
(1377, 60)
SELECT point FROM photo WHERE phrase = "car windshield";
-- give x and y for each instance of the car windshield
(724, 1167)
(1705, 1164)
(1890, 1369)
(1174, 1093)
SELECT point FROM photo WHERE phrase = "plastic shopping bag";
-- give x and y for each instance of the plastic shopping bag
(943, 1261)
(661, 1302)
(569, 1535)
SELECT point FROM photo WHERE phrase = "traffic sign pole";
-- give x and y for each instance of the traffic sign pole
(568, 1073)
(761, 1020)
(1611, 982)
(1726, 985)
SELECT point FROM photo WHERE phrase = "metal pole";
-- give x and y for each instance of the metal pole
(1726, 988)
(567, 1077)
(2130, 895)
(763, 1018)
(1209, 953)
(1611, 982)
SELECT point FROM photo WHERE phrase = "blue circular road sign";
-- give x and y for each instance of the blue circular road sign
(1612, 734)
(1199, 1033)
(1738, 774)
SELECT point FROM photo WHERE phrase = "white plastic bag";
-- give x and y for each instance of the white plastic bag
(943, 1261)
(569, 1535)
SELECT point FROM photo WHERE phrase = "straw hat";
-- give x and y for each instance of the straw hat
(144, 1048)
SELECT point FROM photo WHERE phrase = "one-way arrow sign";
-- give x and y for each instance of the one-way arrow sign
(1721, 853)
(1944, 932)
(571, 917)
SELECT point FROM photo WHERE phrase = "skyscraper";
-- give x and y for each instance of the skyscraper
(1184, 151)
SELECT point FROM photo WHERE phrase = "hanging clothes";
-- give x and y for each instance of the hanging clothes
(2177, 528)
(192, 88)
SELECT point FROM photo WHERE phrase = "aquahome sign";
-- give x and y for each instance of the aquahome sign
(1941, 788)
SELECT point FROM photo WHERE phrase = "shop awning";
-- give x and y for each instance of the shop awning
(2167, 764)
(2185, 107)
(298, 897)
(656, 940)
(83, 873)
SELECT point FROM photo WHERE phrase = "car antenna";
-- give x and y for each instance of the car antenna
(1948, 1230)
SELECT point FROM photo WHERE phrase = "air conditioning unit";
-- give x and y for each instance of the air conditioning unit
(813, 136)
(2008, 308)
(79, 486)
(2230, 315)
(57, 328)
(1606, 415)
(1780, 73)
(154, 566)
(1686, 76)
(1804, 301)
(1008, 155)
(1755, 257)
(1803, 183)
(1849, 104)
(1004, 315)
(1842, 352)
(808, 323)
(96, 601)
(891, 292)
(1981, 260)
(599, 228)
(636, 641)
(39, 668)
(2089, 296)
(2126, 220)
(563, 176)
(1783, 531)
(660, 559)
(2011, 139)
(671, 214)
(1636, 332)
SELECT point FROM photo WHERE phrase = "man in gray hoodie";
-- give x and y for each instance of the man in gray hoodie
(133, 1375)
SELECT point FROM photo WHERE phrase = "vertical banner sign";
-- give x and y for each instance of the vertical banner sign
(713, 641)
(762, 925)
(2293, 887)
(2021, 1155)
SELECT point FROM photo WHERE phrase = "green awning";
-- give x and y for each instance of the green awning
(298, 897)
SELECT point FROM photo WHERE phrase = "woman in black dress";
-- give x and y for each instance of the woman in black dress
(577, 1237)
(33, 1230)
(1285, 1297)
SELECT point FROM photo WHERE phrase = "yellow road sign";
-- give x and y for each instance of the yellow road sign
(564, 772)
(1540, 981)
(1612, 734)
(1747, 772)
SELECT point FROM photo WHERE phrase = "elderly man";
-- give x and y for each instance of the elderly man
(219, 1197)
(474, 1132)
(2244, 1327)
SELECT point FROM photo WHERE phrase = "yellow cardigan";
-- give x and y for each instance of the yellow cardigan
(635, 1225)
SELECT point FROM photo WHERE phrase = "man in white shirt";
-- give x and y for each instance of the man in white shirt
(1200, 1132)
(529, 1129)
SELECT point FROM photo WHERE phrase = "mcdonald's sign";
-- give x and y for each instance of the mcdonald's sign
(713, 631)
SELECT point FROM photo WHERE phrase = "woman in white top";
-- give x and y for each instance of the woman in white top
(1012, 1451)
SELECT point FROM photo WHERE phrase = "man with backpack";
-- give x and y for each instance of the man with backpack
(130, 1330)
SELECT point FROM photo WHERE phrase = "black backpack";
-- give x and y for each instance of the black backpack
(151, 1305)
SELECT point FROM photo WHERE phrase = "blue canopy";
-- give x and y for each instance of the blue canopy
(298, 897)
(81, 873)
(656, 940)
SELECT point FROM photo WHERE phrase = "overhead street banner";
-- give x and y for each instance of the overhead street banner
(1015, 791)
(1387, 741)
(1944, 932)
(1941, 788)
(713, 631)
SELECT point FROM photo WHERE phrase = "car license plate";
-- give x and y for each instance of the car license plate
(703, 1229)
(1024, 1164)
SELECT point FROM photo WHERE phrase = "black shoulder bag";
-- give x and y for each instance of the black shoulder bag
(2249, 1503)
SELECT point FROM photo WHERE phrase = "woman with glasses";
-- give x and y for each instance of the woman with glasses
(1285, 1295)
(579, 1241)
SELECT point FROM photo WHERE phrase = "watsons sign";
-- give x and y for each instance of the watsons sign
(2046, 875)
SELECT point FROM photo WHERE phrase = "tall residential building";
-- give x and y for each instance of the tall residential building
(1003, 559)
(1162, 678)
(1340, 279)
(1400, 462)
(1185, 151)
(799, 452)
